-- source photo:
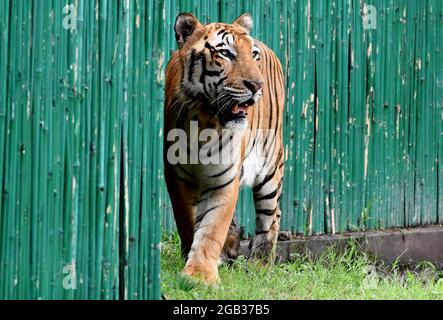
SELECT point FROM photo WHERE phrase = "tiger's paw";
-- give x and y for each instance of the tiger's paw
(262, 248)
(201, 273)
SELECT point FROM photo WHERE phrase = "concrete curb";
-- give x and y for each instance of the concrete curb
(409, 246)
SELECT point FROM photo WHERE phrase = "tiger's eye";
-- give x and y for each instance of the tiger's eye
(228, 54)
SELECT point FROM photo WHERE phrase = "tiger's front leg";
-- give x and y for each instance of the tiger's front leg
(212, 222)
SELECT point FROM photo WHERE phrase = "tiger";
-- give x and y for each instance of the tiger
(222, 79)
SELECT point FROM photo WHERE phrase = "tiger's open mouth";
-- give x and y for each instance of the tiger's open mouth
(239, 110)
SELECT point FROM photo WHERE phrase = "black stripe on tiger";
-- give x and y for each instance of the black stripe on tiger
(224, 142)
(211, 50)
(179, 166)
(222, 173)
(218, 187)
(201, 216)
(220, 82)
(266, 212)
(265, 180)
(261, 232)
(192, 63)
(180, 178)
(224, 36)
(270, 195)
(280, 155)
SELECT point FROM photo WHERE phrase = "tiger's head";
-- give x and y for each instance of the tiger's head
(221, 65)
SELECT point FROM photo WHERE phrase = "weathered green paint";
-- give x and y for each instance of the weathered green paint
(81, 131)
(78, 117)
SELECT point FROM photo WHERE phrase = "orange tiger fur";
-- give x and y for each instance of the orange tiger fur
(216, 68)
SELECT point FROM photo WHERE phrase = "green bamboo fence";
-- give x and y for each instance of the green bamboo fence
(81, 131)
(80, 180)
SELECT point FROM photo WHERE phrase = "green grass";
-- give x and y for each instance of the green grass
(346, 275)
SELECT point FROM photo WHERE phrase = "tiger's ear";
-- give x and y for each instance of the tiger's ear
(185, 26)
(245, 21)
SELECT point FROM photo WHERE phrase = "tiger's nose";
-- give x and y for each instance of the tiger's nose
(254, 86)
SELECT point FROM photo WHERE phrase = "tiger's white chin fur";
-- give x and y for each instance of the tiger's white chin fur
(237, 124)
(257, 96)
